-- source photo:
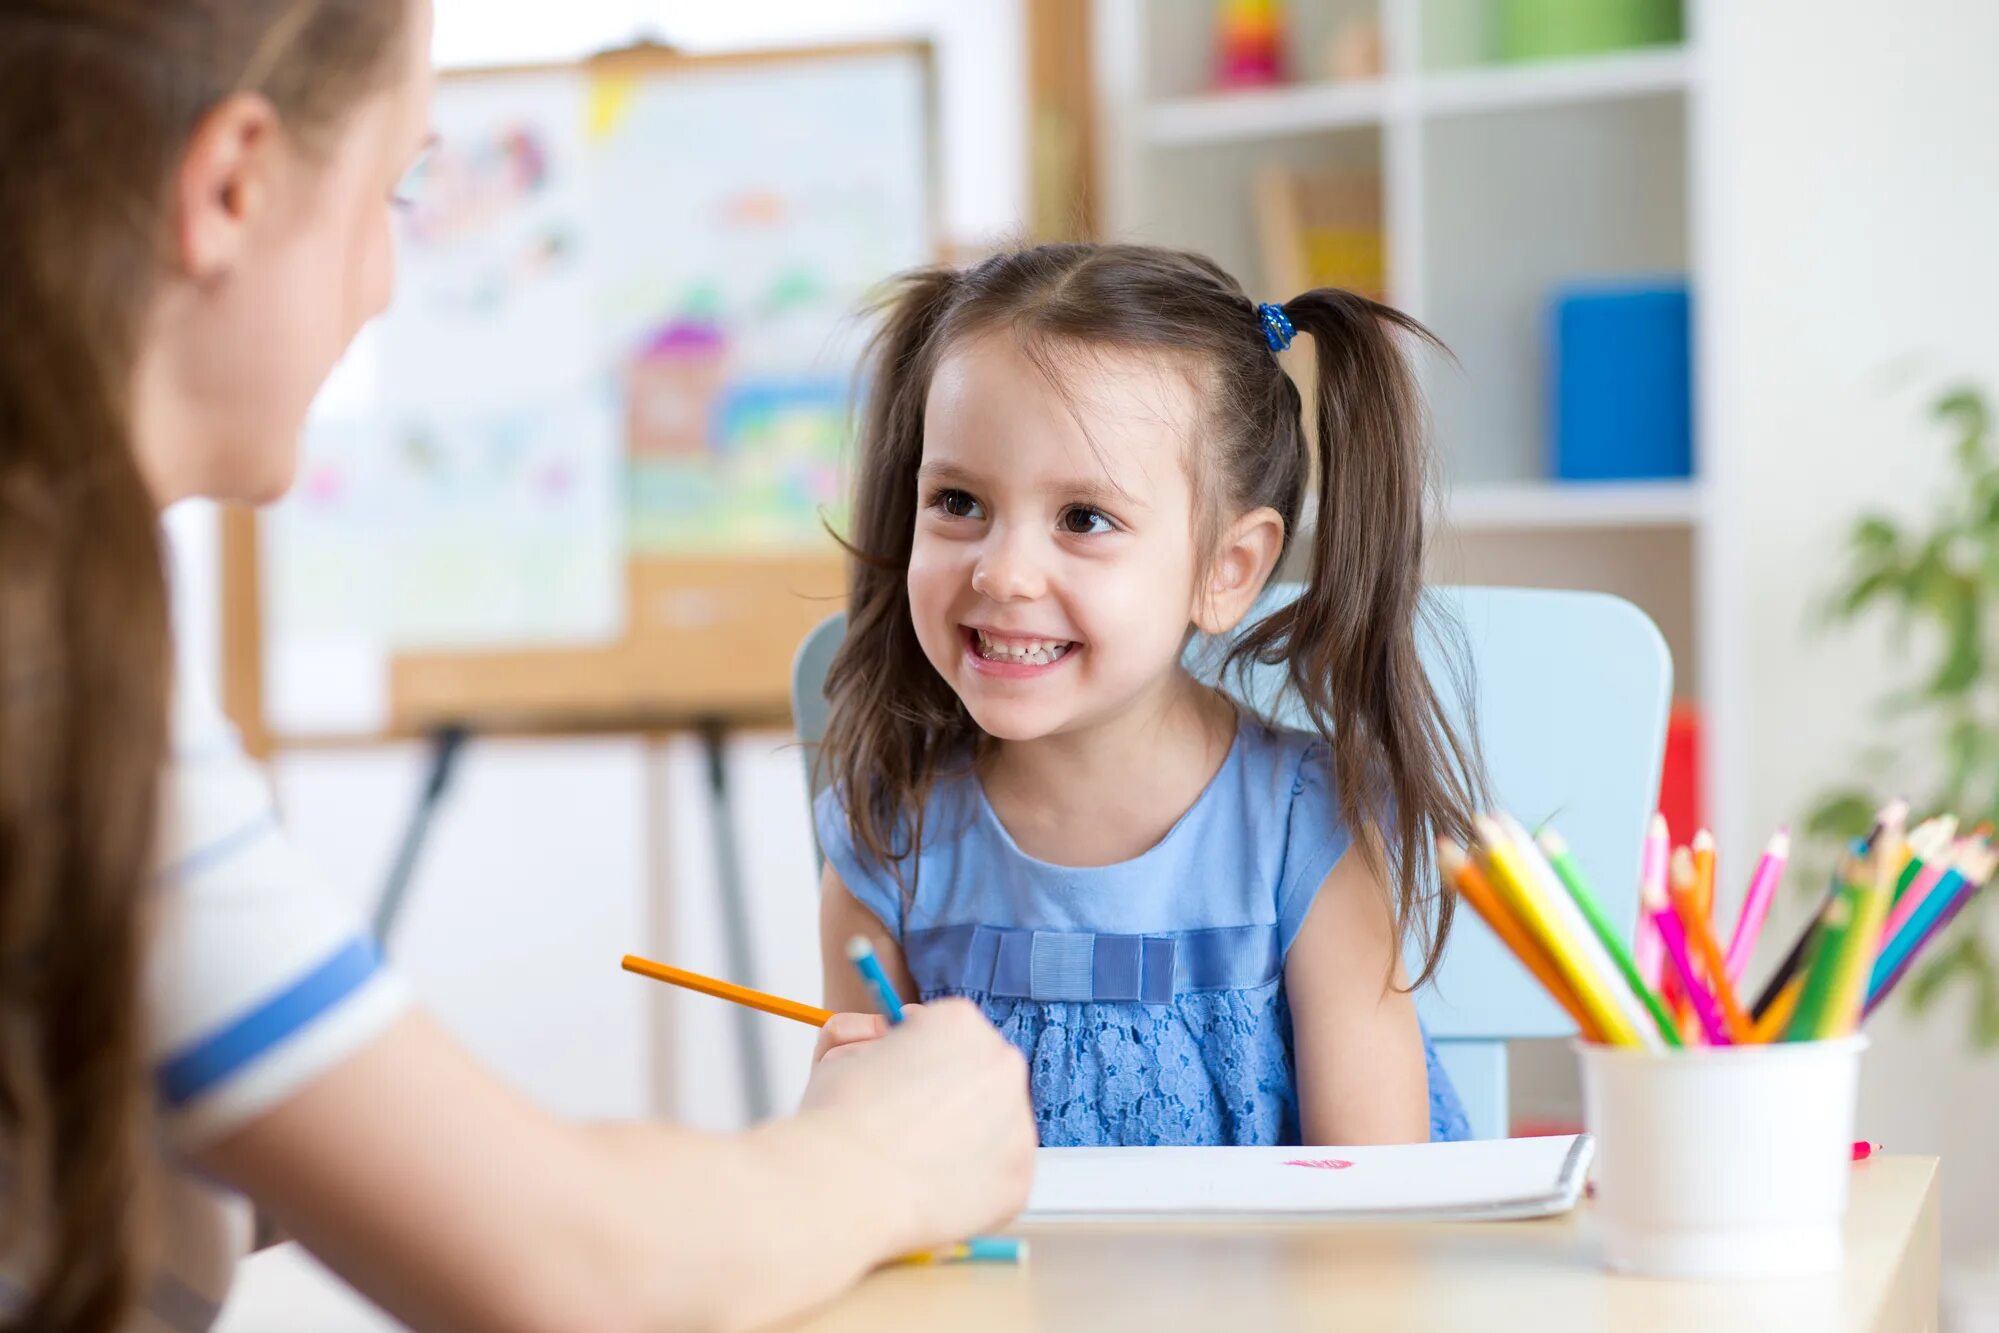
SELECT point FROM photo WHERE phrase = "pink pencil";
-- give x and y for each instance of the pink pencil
(1652, 888)
(1756, 903)
(1919, 889)
(1673, 936)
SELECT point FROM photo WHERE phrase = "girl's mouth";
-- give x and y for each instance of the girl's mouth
(1015, 655)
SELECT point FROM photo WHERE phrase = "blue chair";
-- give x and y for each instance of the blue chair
(1570, 693)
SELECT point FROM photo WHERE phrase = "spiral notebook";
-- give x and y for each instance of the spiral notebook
(1484, 1180)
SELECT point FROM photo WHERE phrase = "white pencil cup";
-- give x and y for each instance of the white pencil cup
(1722, 1162)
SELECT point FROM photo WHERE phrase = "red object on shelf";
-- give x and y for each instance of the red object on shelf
(1249, 43)
(1681, 799)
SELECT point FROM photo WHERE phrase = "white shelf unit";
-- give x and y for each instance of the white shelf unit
(1499, 182)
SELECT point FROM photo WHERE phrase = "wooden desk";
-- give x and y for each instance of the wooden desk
(1538, 1276)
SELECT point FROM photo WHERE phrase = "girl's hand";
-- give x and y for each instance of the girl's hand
(848, 1030)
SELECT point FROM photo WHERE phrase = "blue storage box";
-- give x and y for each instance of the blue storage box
(1621, 382)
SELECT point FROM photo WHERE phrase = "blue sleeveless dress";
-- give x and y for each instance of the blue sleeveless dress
(1147, 996)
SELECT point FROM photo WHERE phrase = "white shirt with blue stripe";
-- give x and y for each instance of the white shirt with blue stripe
(258, 983)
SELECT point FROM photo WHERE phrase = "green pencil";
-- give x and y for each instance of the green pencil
(1828, 946)
(1571, 875)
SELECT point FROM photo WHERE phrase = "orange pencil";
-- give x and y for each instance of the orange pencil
(1472, 886)
(1778, 1016)
(1700, 934)
(728, 990)
(1704, 874)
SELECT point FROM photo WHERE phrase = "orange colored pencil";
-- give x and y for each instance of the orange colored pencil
(1703, 848)
(1475, 889)
(1700, 934)
(1778, 1016)
(728, 990)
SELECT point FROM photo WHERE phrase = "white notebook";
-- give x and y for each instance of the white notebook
(1489, 1179)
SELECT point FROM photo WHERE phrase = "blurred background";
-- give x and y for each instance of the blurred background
(1719, 282)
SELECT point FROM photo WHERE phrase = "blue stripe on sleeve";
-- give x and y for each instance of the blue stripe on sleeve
(221, 1054)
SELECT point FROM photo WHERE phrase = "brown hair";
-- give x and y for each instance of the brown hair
(98, 101)
(1348, 642)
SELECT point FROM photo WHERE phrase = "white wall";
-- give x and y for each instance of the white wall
(1849, 229)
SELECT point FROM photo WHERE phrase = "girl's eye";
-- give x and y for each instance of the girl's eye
(958, 504)
(1083, 521)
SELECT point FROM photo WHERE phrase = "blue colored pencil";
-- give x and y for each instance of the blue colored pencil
(870, 968)
(977, 1250)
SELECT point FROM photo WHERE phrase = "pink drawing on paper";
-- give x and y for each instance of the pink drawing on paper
(1321, 1163)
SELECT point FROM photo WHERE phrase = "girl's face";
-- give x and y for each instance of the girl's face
(1052, 574)
(284, 255)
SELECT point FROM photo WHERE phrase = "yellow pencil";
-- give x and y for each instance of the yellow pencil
(1476, 889)
(1517, 886)
(1863, 940)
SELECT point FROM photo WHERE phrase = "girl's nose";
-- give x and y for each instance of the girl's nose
(1010, 568)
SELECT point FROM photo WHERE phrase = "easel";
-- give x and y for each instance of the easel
(706, 651)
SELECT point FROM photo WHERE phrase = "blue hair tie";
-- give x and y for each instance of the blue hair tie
(1277, 330)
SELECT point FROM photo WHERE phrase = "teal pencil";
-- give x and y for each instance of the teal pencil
(870, 968)
(1572, 879)
(977, 1250)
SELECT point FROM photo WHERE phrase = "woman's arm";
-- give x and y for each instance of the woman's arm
(455, 1204)
(1362, 1075)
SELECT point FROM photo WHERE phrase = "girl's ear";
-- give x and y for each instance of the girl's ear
(223, 185)
(1242, 565)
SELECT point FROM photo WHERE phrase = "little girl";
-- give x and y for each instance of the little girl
(1190, 921)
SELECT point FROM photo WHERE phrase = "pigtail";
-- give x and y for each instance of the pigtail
(1349, 640)
(889, 709)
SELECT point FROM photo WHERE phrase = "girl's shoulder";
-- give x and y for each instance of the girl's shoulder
(1291, 806)
(886, 880)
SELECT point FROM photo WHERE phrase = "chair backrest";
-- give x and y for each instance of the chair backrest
(1570, 692)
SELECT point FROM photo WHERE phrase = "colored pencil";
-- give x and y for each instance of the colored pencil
(1900, 953)
(977, 1250)
(1809, 1022)
(1571, 875)
(1771, 1026)
(728, 990)
(1472, 885)
(1673, 935)
(1931, 840)
(1703, 856)
(1932, 849)
(1686, 899)
(870, 967)
(1795, 961)
(1570, 914)
(1756, 904)
(1863, 943)
(1862, 1150)
(1646, 949)
(1523, 894)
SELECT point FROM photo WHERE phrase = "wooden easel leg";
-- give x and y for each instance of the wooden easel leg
(733, 902)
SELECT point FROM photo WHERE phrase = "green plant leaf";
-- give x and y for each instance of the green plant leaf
(1842, 815)
(1964, 654)
(1963, 409)
(1932, 975)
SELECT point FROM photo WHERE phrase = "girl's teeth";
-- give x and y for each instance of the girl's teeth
(1033, 652)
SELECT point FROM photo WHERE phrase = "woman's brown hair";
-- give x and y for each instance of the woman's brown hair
(1348, 643)
(98, 101)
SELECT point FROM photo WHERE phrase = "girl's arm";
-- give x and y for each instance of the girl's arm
(434, 1189)
(841, 917)
(1362, 1076)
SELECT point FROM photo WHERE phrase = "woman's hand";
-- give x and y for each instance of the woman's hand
(845, 1031)
(939, 1106)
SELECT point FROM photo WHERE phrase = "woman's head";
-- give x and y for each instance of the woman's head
(184, 252)
(1075, 455)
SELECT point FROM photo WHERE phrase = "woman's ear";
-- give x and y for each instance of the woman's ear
(223, 185)
(1243, 561)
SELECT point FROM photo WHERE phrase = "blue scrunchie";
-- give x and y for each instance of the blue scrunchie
(1277, 330)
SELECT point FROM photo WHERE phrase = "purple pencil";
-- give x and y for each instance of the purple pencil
(1965, 893)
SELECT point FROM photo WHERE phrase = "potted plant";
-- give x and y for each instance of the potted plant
(1939, 579)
